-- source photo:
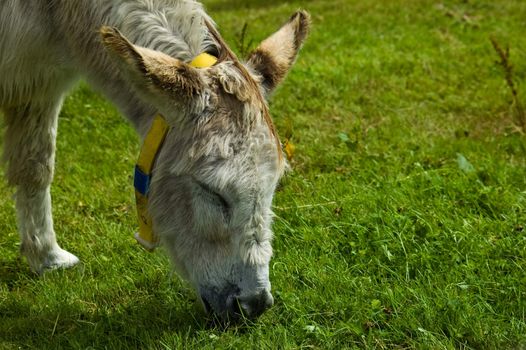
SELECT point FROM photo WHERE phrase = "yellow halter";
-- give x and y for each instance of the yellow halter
(143, 169)
(203, 60)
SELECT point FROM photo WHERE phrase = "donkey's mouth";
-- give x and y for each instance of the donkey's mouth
(228, 314)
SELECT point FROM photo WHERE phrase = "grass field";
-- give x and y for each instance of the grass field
(401, 224)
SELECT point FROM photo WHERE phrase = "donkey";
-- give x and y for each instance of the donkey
(213, 178)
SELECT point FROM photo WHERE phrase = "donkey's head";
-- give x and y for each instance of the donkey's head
(214, 178)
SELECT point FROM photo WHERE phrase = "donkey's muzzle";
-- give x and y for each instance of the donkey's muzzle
(235, 307)
(251, 306)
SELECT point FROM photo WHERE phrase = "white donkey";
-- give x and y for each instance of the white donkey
(210, 190)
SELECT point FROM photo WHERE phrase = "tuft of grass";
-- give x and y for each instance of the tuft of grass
(401, 224)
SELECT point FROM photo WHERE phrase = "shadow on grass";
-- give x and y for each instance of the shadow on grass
(13, 271)
(106, 320)
(70, 328)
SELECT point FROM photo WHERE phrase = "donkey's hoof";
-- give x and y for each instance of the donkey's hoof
(58, 259)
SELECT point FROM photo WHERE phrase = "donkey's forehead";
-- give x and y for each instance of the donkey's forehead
(224, 141)
(230, 125)
(240, 98)
(241, 84)
(229, 104)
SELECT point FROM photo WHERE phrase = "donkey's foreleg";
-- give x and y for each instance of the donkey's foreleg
(30, 154)
(35, 222)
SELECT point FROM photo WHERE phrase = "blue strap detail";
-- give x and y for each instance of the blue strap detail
(141, 181)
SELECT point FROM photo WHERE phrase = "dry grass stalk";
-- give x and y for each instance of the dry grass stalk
(506, 65)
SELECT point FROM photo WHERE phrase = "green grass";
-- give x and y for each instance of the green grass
(399, 226)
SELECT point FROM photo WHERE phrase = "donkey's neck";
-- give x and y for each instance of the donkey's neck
(174, 27)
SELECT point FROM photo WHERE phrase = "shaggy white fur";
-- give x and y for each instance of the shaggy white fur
(215, 176)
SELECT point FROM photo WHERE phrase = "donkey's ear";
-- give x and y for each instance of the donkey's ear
(152, 70)
(276, 54)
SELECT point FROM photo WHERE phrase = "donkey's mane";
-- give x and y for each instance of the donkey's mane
(225, 53)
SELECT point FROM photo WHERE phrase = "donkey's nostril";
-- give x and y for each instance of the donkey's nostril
(253, 306)
(206, 305)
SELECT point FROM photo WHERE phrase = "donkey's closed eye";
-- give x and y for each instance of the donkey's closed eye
(216, 198)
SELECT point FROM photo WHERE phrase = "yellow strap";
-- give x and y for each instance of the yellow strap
(203, 60)
(145, 236)
(151, 145)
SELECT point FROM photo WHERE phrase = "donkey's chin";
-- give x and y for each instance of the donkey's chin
(233, 307)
